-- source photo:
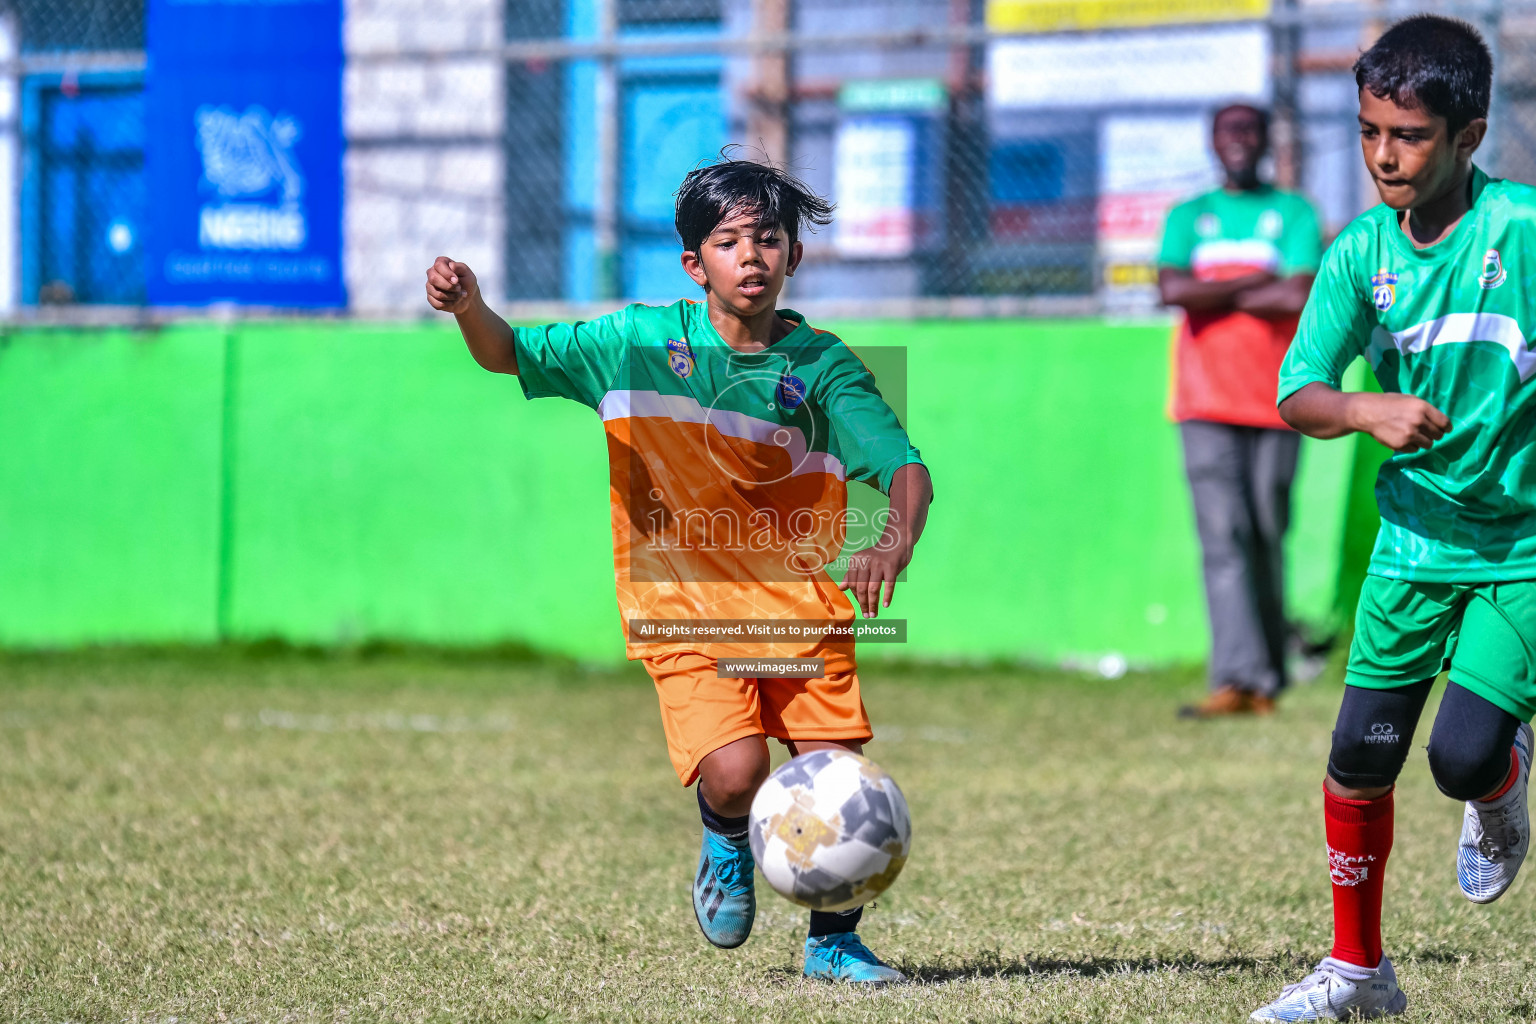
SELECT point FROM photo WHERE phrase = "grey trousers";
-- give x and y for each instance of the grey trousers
(1240, 480)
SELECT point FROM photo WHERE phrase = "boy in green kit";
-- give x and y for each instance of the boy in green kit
(1435, 288)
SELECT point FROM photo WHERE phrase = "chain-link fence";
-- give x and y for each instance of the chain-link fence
(984, 155)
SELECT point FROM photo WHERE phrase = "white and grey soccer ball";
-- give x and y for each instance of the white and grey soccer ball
(830, 830)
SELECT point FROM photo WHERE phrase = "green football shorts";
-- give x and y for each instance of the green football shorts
(1484, 633)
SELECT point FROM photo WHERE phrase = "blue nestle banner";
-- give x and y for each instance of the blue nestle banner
(243, 155)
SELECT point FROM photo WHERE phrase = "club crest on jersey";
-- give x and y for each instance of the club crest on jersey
(791, 392)
(1493, 270)
(680, 357)
(1383, 289)
(1270, 224)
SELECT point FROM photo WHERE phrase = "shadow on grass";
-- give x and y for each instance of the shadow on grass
(1435, 956)
(993, 965)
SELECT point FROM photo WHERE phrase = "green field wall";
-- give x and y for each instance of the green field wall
(334, 482)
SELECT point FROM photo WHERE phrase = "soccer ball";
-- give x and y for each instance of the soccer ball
(830, 830)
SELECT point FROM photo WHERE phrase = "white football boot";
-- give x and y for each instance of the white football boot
(1337, 991)
(1496, 835)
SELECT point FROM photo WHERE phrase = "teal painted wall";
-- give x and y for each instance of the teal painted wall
(332, 482)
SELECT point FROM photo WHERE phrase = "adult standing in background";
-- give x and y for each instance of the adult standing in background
(1239, 260)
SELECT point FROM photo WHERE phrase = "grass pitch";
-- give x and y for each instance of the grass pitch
(211, 838)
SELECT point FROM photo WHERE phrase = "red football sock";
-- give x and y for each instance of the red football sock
(1509, 780)
(1359, 839)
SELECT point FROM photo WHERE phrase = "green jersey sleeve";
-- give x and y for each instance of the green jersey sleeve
(870, 439)
(1178, 244)
(1335, 326)
(1301, 241)
(577, 361)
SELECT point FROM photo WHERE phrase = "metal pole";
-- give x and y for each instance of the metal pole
(605, 214)
(966, 143)
(768, 120)
(1288, 141)
(10, 165)
(1492, 151)
(1371, 28)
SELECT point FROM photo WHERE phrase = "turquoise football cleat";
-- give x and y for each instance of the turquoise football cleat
(724, 903)
(843, 957)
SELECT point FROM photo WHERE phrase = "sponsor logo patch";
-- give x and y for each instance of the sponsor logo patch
(680, 357)
(1382, 732)
(1383, 289)
(791, 391)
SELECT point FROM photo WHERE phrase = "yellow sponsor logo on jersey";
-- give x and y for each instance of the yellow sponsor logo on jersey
(1383, 289)
(680, 357)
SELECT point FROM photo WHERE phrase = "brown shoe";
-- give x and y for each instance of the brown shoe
(1262, 705)
(1224, 700)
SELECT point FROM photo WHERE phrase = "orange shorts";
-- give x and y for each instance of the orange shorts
(701, 713)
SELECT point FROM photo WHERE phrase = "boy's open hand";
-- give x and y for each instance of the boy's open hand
(1401, 422)
(451, 287)
(869, 571)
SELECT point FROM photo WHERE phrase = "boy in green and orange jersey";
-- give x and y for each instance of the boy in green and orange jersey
(1434, 288)
(732, 428)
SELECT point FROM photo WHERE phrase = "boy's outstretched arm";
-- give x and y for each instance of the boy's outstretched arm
(1401, 422)
(878, 566)
(452, 287)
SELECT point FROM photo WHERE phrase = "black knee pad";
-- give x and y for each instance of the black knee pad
(1373, 733)
(1464, 774)
(1469, 747)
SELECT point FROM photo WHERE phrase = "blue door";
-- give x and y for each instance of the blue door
(672, 124)
(90, 196)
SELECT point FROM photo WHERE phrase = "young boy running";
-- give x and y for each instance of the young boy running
(732, 427)
(1434, 287)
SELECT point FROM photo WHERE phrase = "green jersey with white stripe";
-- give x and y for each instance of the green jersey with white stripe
(1451, 324)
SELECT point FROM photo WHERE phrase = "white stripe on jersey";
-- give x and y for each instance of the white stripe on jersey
(1253, 252)
(617, 405)
(1459, 329)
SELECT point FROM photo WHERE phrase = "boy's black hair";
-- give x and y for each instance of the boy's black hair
(708, 195)
(1440, 64)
